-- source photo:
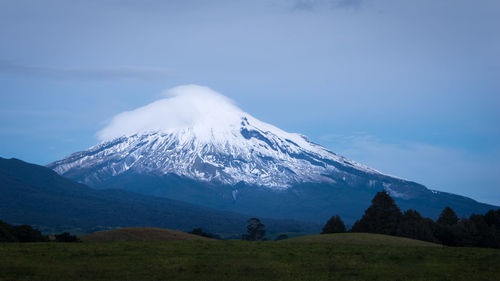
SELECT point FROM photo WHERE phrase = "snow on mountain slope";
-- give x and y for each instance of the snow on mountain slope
(200, 134)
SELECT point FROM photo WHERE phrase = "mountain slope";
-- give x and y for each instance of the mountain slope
(35, 195)
(315, 202)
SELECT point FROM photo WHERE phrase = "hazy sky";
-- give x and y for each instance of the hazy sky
(411, 88)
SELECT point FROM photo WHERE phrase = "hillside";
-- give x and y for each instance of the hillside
(140, 234)
(35, 195)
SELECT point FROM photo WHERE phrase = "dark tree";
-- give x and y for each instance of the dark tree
(198, 231)
(334, 225)
(381, 217)
(492, 233)
(492, 218)
(484, 234)
(474, 231)
(281, 237)
(26, 233)
(448, 217)
(467, 233)
(20, 233)
(447, 230)
(66, 237)
(255, 229)
(413, 225)
(6, 233)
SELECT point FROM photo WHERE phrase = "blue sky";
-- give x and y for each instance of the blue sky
(411, 88)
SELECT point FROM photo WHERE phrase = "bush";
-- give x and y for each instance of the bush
(66, 237)
(281, 237)
(198, 231)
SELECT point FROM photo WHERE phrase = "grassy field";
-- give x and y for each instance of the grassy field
(368, 239)
(330, 257)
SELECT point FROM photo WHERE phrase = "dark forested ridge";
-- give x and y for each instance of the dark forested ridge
(313, 202)
(35, 195)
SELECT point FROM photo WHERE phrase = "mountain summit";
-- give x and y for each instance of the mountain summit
(200, 134)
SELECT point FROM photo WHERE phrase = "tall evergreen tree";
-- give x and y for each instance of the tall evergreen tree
(334, 225)
(381, 217)
(448, 217)
(447, 230)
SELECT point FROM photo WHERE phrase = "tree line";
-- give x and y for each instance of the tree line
(26, 233)
(382, 217)
(385, 217)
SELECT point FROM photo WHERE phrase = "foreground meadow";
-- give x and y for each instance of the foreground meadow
(325, 258)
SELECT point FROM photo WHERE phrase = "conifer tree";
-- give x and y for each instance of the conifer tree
(448, 217)
(334, 225)
(381, 217)
(447, 230)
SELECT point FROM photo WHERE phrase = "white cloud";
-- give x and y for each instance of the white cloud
(188, 106)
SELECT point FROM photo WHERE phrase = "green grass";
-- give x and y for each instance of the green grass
(273, 236)
(241, 260)
(369, 239)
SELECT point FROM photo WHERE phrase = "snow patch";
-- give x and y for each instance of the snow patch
(394, 193)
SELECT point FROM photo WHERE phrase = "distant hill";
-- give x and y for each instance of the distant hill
(361, 239)
(140, 234)
(35, 195)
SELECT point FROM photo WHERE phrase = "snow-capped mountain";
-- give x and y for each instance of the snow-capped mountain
(214, 141)
(197, 146)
